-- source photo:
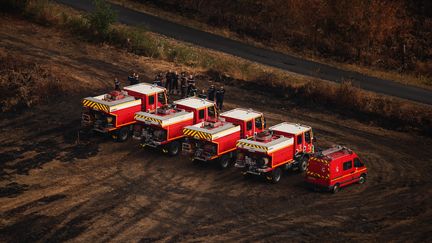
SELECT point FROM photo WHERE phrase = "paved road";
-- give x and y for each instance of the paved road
(260, 55)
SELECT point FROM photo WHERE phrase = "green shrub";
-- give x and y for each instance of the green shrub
(102, 17)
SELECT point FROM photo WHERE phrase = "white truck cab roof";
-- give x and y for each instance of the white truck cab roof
(291, 128)
(241, 114)
(144, 88)
(194, 102)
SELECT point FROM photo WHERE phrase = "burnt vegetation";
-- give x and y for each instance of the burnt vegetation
(25, 83)
(393, 35)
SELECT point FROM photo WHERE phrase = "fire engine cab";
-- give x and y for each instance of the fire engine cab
(270, 152)
(334, 168)
(164, 128)
(215, 139)
(113, 113)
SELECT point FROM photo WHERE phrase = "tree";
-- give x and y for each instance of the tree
(102, 17)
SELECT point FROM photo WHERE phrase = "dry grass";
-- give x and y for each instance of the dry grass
(344, 98)
(25, 84)
(404, 78)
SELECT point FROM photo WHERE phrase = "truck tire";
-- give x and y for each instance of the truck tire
(302, 164)
(174, 148)
(362, 179)
(276, 175)
(336, 188)
(224, 162)
(123, 134)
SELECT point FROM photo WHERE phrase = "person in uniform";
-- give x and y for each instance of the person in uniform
(183, 84)
(220, 94)
(191, 84)
(116, 84)
(202, 95)
(158, 79)
(211, 93)
(168, 80)
(192, 90)
(175, 79)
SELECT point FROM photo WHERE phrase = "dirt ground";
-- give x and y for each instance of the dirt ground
(54, 187)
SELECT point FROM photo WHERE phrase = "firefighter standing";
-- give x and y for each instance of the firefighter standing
(183, 84)
(192, 90)
(175, 79)
(191, 84)
(220, 93)
(158, 80)
(168, 80)
(116, 84)
(202, 95)
(211, 93)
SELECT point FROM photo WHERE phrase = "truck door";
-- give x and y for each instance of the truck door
(299, 143)
(259, 124)
(308, 141)
(151, 102)
(161, 99)
(348, 172)
(211, 112)
(249, 129)
(200, 115)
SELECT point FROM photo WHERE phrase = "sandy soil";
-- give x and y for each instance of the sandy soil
(54, 187)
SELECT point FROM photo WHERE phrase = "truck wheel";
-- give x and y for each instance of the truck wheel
(224, 162)
(123, 134)
(174, 148)
(362, 179)
(336, 188)
(276, 175)
(303, 163)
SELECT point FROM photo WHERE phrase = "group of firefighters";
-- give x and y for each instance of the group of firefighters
(181, 84)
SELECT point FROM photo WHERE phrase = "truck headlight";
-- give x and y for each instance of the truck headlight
(109, 119)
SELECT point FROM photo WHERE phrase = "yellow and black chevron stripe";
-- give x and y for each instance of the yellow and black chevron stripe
(240, 143)
(316, 175)
(196, 134)
(95, 105)
(148, 118)
(320, 160)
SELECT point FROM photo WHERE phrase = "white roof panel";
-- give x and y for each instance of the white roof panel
(290, 128)
(241, 114)
(194, 102)
(144, 88)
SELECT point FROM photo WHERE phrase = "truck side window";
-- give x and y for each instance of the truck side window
(211, 111)
(201, 114)
(258, 122)
(249, 125)
(357, 163)
(151, 100)
(161, 98)
(347, 165)
(299, 139)
(307, 137)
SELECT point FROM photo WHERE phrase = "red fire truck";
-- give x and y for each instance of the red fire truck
(334, 168)
(164, 128)
(215, 139)
(113, 113)
(283, 146)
